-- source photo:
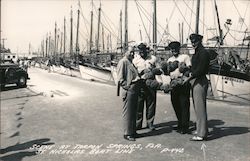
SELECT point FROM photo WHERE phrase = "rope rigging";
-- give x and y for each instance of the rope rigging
(239, 13)
(164, 31)
(183, 15)
(143, 22)
(191, 17)
(144, 11)
(84, 20)
(195, 14)
(111, 31)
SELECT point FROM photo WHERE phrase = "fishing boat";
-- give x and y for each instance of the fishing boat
(229, 74)
(95, 65)
(228, 82)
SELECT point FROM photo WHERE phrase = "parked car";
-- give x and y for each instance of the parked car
(13, 74)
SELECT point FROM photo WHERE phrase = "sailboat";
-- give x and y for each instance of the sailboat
(91, 64)
(229, 78)
(227, 83)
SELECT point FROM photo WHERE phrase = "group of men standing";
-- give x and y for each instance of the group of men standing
(137, 76)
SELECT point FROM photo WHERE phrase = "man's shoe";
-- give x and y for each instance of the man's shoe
(197, 138)
(129, 138)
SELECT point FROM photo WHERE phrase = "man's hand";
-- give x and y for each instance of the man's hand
(186, 79)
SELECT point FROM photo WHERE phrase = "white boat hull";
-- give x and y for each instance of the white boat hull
(230, 89)
(114, 74)
(96, 74)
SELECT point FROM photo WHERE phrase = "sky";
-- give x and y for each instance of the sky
(25, 22)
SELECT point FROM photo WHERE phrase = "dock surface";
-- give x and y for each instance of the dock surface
(63, 118)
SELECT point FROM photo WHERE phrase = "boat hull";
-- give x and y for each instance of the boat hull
(96, 74)
(230, 88)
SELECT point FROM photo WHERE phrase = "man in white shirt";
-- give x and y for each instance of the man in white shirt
(144, 61)
(180, 93)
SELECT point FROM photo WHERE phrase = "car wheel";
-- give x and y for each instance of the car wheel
(22, 81)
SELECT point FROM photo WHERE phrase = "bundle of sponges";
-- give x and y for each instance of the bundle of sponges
(168, 67)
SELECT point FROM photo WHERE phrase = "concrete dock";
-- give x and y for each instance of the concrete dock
(63, 118)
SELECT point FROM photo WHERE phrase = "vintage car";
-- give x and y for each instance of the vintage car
(13, 74)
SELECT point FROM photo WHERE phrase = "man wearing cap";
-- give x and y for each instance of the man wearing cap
(128, 79)
(180, 93)
(143, 62)
(199, 85)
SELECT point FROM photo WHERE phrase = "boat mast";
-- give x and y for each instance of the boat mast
(77, 33)
(218, 21)
(55, 45)
(179, 27)
(154, 28)
(140, 33)
(42, 48)
(71, 33)
(121, 30)
(49, 49)
(182, 33)
(61, 41)
(46, 46)
(108, 43)
(126, 27)
(98, 29)
(64, 37)
(197, 17)
(103, 45)
(91, 30)
(29, 48)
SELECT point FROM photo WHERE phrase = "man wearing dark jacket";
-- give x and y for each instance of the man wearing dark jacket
(199, 85)
(180, 93)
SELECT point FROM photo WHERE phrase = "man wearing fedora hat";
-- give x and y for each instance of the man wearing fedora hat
(180, 93)
(199, 85)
